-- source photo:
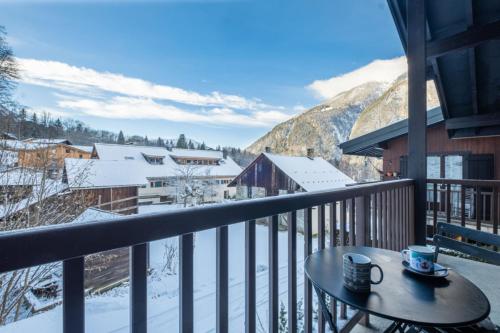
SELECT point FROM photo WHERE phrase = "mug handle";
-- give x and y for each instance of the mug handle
(381, 274)
(404, 254)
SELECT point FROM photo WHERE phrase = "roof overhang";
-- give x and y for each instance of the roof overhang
(463, 58)
(374, 143)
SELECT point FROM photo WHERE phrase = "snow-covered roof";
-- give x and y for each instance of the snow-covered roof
(87, 149)
(49, 141)
(21, 145)
(312, 174)
(115, 152)
(196, 153)
(169, 168)
(22, 177)
(84, 173)
(94, 214)
(42, 191)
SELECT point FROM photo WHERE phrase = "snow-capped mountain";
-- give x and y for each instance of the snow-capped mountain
(323, 127)
(355, 112)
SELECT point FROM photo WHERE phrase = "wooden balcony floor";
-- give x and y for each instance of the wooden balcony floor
(481, 274)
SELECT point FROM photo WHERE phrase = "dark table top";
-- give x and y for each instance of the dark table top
(402, 296)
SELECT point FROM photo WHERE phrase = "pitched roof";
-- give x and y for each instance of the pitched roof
(87, 149)
(371, 144)
(84, 173)
(169, 168)
(196, 153)
(312, 174)
(49, 141)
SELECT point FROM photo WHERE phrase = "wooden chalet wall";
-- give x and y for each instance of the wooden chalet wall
(438, 143)
(38, 158)
(264, 174)
(123, 200)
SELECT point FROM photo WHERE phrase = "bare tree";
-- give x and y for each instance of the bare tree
(189, 188)
(9, 72)
(31, 197)
(171, 256)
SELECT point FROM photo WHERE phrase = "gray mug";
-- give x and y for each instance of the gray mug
(357, 272)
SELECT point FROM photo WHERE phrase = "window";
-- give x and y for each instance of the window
(80, 156)
(68, 150)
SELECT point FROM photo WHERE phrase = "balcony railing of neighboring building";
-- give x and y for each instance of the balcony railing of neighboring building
(378, 215)
(470, 203)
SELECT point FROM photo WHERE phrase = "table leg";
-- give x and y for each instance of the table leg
(394, 327)
(324, 309)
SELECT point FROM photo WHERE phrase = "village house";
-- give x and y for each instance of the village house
(107, 185)
(449, 155)
(43, 154)
(167, 173)
(271, 174)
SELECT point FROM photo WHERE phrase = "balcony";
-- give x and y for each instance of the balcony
(377, 215)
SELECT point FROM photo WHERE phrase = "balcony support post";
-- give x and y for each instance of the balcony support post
(417, 100)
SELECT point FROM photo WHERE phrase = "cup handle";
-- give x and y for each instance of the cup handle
(381, 274)
(404, 254)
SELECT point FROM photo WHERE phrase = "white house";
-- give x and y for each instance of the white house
(169, 172)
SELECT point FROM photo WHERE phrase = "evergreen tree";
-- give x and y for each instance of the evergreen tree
(35, 130)
(146, 141)
(181, 142)
(202, 146)
(121, 138)
(190, 145)
(160, 142)
(58, 128)
(218, 148)
(22, 133)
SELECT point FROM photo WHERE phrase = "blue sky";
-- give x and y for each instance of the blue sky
(224, 72)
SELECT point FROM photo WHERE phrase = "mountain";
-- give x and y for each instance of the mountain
(323, 127)
(391, 107)
(350, 114)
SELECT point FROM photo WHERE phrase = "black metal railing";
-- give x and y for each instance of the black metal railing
(378, 215)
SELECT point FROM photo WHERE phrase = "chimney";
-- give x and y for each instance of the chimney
(268, 149)
(310, 153)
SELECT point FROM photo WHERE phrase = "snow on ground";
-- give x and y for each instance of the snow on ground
(109, 312)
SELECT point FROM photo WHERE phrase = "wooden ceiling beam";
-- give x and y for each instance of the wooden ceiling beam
(480, 120)
(472, 59)
(463, 40)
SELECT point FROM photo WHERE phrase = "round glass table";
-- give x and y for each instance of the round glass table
(402, 297)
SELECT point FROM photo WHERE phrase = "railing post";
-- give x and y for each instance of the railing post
(292, 272)
(250, 291)
(73, 296)
(186, 284)
(417, 115)
(273, 274)
(333, 242)
(308, 296)
(138, 288)
(321, 246)
(222, 295)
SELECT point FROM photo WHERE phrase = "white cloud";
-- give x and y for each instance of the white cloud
(111, 95)
(377, 70)
(120, 107)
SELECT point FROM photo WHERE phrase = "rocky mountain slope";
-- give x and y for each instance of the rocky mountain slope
(322, 127)
(350, 114)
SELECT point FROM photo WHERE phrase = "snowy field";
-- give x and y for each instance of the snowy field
(109, 312)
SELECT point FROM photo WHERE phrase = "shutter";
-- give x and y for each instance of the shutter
(403, 166)
(479, 166)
